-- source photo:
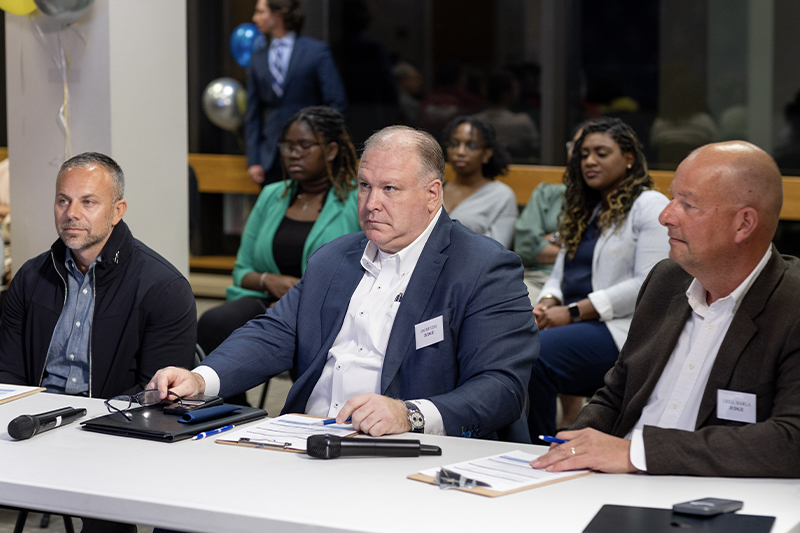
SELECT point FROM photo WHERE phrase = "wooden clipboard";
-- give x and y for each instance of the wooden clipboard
(22, 394)
(495, 493)
(274, 447)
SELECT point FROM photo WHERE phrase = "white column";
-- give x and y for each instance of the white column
(127, 99)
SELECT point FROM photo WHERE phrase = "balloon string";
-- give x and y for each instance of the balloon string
(60, 59)
(63, 112)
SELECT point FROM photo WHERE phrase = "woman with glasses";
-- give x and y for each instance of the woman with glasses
(315, 204)
(611, 238)
(477, 201)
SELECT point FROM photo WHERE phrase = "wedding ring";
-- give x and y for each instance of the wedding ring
(573, 451)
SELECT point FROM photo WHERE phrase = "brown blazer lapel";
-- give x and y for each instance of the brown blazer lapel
(741, 330)
(646, 376)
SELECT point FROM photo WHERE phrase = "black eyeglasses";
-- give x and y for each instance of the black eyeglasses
(470, 146)
(302, 148)
(121, 404)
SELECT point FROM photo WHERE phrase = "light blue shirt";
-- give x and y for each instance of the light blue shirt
(287, 43)
(67, 369)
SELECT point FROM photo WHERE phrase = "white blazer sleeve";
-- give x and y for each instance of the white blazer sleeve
(651, 244)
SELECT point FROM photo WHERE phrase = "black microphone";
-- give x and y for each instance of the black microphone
(331, 446)
(26, 426)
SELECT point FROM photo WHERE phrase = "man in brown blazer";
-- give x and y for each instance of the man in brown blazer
(708, 382)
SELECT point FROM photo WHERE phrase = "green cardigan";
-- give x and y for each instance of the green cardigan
(255, 252)
(539, 218)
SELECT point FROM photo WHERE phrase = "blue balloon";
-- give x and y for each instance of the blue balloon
(243, 41)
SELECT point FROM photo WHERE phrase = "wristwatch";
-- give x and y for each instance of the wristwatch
(574, 312)
(415, 418)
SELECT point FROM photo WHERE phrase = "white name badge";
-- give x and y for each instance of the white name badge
(736, 406)
(429, 332)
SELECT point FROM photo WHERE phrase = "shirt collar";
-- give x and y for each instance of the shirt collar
(405, 260)
(69, 263)
(697, 294)
(287, 40)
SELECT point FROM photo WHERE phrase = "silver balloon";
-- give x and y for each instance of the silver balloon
(64, 11)
(224, 101)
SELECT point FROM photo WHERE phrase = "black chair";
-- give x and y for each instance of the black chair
(22, 517)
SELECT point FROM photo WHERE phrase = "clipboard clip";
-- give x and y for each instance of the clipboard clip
(447, 479)
(263, 443)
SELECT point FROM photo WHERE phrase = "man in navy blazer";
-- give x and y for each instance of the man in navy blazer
(416, 324)
(309, 78)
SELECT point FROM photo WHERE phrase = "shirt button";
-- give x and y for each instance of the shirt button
(74, 380)
(691, 366)
(85, 291)
(72, 357)
(338, 367)
(336, 405)
(77, 324)
(361, 313)
(675, 405)
(710, 326)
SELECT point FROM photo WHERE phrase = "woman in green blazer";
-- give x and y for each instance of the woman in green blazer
(291, 219)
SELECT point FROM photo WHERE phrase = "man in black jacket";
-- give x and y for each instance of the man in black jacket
(100, 312)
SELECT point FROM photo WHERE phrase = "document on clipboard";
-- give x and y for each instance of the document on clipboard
(10, 393)
(501, 474)
(287, 433)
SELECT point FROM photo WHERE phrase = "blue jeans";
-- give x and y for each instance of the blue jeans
(572, 359)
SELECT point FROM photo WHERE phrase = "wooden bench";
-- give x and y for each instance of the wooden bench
(228, 174)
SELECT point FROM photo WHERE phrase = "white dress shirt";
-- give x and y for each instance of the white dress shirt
(675, 401)
(355, 360)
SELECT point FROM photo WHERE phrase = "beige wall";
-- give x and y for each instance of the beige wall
(127, 89)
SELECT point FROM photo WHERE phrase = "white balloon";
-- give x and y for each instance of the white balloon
(223, 103)
(64, 11)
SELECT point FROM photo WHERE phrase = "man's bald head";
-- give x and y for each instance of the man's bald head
(727, 199)
(747, 176)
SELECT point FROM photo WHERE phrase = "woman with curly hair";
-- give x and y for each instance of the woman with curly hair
(477, 201)
(290, 220)
(611, 238)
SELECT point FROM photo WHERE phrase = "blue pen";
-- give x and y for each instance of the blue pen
(329, 421)
(548, 438)
(212, 432)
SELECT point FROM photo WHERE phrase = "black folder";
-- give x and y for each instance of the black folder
(152, 424)
(624, 519)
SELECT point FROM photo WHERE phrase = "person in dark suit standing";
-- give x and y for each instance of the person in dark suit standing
(293, 72)
(416, 324)
(708, 382)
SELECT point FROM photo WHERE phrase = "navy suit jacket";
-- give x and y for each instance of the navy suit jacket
(477, 376)
(311, 79)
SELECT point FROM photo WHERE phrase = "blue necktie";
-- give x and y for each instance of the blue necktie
(277, 67)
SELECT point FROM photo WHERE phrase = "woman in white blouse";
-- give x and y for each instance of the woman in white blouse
(611, 239)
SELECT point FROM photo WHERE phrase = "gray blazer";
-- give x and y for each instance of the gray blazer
(760, 355)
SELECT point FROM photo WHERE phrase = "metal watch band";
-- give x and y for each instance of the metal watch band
(415, 418)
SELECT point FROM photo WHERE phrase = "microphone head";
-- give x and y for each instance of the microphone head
(23, 427)
(324, 446)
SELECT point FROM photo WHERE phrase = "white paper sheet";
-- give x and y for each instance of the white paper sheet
(11, 392)
(290, 431)
(504, 472)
